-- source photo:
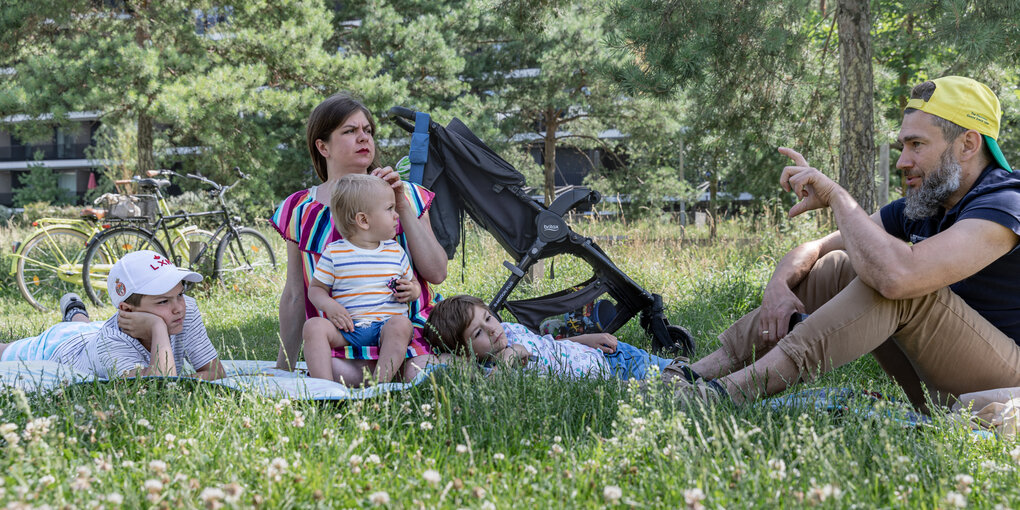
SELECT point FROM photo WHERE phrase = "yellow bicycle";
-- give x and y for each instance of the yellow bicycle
(49, 263)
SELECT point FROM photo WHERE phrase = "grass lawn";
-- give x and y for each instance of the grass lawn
(512, 441)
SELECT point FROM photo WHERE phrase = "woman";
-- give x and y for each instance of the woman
(340, 142)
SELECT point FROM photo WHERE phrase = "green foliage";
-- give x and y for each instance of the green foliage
(41, 184)
(515, 440)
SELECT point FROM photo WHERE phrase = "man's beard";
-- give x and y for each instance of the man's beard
(936, 187)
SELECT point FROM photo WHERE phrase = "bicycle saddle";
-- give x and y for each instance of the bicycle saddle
(153, 183)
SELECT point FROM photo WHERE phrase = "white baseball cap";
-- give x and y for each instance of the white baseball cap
(145, 272)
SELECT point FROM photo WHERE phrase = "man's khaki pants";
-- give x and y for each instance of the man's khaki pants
(936, 339)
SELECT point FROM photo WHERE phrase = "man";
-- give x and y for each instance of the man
(928, 285)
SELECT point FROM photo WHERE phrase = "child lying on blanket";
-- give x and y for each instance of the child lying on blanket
(154, 330)
(464, 325)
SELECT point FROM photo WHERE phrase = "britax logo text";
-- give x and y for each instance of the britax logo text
(551, 228)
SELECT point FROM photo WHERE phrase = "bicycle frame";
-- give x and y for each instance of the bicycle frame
(66, 271)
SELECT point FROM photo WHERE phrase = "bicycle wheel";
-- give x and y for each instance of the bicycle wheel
(106, 249)
(241, 253)
(190, 246)
(50, 265)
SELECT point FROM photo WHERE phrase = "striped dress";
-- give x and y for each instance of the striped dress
(308, 223)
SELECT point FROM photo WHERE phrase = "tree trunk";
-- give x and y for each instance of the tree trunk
(856, 93)
(551, 125)
(145, 158)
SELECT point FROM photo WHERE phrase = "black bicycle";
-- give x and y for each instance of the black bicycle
(240, 251)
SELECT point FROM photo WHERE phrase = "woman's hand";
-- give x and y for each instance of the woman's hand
(601, 341)
(392, 178)
(143, 326)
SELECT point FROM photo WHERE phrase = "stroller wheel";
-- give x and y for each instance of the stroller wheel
(683, 342)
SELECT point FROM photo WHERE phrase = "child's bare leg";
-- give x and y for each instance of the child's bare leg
(393, 340)
(352, 372)
(418, 363)
(320, 336)
(3, 347)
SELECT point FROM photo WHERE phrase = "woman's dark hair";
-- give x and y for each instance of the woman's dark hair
(325, 118)
(448, 320)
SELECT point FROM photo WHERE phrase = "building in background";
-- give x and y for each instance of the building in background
(63, 151)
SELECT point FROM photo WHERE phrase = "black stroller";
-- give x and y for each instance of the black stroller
(468, 176)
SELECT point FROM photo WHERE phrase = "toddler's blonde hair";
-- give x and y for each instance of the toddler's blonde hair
(352, 194)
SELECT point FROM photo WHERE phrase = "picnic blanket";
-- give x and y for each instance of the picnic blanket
(992, 413)
(244, 375)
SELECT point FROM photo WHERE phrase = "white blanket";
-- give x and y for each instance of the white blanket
(246, 375)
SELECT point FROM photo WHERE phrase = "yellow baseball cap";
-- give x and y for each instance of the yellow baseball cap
(967, 103)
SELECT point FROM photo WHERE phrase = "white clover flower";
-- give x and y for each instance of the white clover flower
(355, 460)
(170, 438)
(277, 467)
(212, 496)
(499, 456)
(956, 499)
(37, 428)
(529, 469)
(425, 425)
(114, 498)
(1014, 453)
(426, 408)
(47, 480)
(462, 448)
(612, 493)
(555, 450)
(364, 426)
(488, 505)
(379, 498)
(912, 478)
(694, 497)
(246, 422)
(963, 483)
(557, 439)
(153, 486)
(432, 476)
(778, 468)
(232, 492)
(299, 420)
(157, 466)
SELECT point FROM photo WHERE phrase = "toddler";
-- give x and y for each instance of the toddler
(362, 283)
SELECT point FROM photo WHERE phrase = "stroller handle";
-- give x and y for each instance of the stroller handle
(401, 116)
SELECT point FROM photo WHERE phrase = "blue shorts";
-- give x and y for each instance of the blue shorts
(629, 362)
(364, 335)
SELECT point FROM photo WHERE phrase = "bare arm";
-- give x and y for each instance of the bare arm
(601, 341)
(292, 310)
(211, 371)
(889, 265)
(161, 355)
(319, 295)
(426, 252)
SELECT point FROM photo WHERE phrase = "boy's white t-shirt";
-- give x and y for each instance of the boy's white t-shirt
(110, 351)
(357, 278)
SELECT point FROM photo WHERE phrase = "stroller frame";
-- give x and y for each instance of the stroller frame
(454, 163)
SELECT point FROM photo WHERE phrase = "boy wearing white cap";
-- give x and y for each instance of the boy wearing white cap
(155, 329)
